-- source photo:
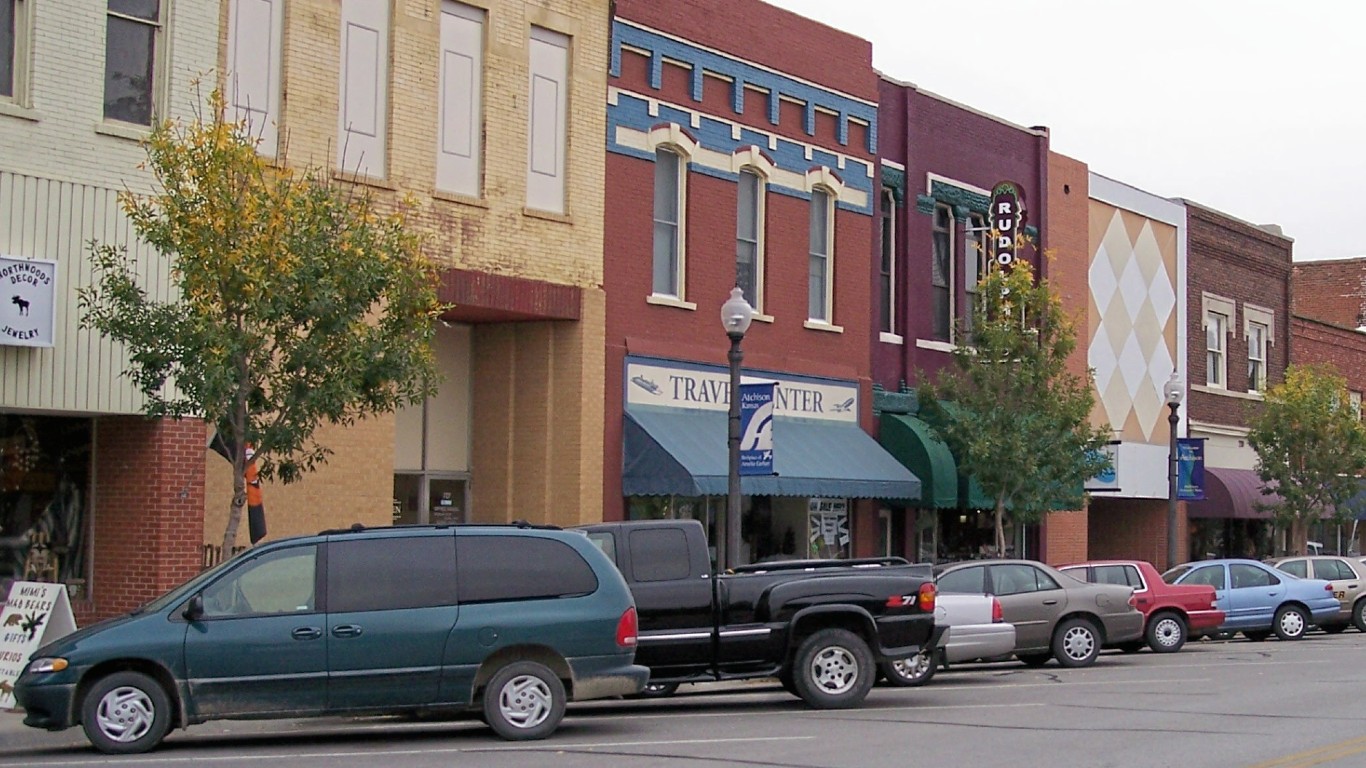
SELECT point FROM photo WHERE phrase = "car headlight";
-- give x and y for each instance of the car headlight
(41, 666)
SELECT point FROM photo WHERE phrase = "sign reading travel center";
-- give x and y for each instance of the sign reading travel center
(35, 614)
(1007, 222)
(682, 385)
(27, 291)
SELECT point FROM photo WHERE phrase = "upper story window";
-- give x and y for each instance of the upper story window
(820, 256)
(749, 228)
(941, 274)
(1257, 335)
(363, 104)
(547, 128)
(670, 188)
(887, 265)
(459, 137)
(1216, 346)
(974, 265)
(14, 38)
(132, 54)
(253, 80)
(1354, 399)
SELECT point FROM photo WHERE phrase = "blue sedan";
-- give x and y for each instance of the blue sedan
(1257, 599)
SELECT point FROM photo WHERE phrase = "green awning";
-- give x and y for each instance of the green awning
(912, 442)
(670, 451)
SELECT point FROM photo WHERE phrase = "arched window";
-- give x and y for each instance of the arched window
(749, 236)
(821, 253)
(670, 172)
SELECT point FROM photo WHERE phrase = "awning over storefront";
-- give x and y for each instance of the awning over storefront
(1232, 493)
(684, 453)
(913, 443)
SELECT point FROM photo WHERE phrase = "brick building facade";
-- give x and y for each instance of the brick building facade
(734, 158)
(1332, 292)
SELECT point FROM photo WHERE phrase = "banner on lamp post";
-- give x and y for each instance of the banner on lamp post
(756, 428)
(1190, 468)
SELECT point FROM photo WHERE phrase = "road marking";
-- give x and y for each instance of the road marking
(241, 757)
(1328, 754)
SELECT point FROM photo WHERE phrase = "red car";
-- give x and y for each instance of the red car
(1172, 613)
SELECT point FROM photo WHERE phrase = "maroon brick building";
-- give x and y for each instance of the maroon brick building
(1239, 331)
(735, 158)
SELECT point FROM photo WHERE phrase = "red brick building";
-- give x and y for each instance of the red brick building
(1333, 292)
(736, 158)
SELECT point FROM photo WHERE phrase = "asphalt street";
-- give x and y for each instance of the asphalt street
(1234, 704)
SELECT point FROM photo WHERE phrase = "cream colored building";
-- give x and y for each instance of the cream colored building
(487, 117)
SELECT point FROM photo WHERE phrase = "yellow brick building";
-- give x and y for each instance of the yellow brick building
(488, 115)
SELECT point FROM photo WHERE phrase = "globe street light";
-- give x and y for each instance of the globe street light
(736, 315)
(1173, 392)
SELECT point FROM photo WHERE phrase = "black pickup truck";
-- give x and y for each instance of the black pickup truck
(824, 628)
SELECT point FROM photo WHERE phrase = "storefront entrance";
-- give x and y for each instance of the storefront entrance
(44, 487)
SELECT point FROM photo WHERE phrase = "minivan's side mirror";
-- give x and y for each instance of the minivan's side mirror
(195, 608)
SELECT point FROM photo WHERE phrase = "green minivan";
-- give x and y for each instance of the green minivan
(511, 621)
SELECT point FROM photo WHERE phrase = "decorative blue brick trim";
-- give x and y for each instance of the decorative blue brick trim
(924, 204)
(958, 197)
(895, 178)
(696, 84)
(738, 97)
(842, 131)
(773, 102)
(810, 119)
(656, 70)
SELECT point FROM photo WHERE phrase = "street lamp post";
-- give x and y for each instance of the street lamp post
(736, 315)
(1173, 391)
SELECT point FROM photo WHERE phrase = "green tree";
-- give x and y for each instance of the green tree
(1311, 446)
(1015, 417)
(298, 302)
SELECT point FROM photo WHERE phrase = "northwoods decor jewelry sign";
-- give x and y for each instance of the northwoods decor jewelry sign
(27, 294)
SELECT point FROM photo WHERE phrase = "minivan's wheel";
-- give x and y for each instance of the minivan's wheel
(834, 669)
(657, 691)
(1359, 615)
(125, 713)
(1290, 622)
(1166, 633)
(913, 672)
(1076, 643)
(523, 701)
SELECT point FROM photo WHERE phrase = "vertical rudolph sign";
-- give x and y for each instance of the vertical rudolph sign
(1007, 220)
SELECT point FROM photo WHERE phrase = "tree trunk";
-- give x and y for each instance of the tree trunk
(239, 500)
(1299, 537)
(1000, 528)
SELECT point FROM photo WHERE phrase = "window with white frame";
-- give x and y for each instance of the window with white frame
(547, 128)
(974, 264)
(749, 227)
(1216, 346)
(1257, 335)
(887, 266)
(253, 79)
(820, 256)
(941, 274)
(459, 140)
(132, 54)
(670, 186)
(363, 104)
(1354, 399)
(14, 38)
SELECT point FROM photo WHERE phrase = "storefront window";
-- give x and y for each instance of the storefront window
(438, 499)
(44, 484)
(828, 528)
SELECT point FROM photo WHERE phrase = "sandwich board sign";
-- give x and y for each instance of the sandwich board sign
(35, 614)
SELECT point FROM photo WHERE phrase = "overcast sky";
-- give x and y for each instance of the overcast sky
(1252, 107)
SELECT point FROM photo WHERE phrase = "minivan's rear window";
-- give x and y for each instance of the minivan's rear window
(519, 568)
(376, 574)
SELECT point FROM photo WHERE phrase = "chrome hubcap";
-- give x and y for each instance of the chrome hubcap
(913, 668)
(1168, 632)
(834, 670)
(1078, 643)
(525, 701)
(125, 714)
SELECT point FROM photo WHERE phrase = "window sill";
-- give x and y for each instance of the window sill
(937, 346)
(128, 131)
(759, 316)
(15, 109)
(456, 197)
(369, 181)
(562, 218)
(669, 301)
(890, 338)
(821, 325)
(1221, 392)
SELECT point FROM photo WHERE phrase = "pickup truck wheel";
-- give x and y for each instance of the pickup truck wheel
(1359, 615)
(1290, 623)
(1166, 633)
(789, 685)
(125, 713)
(524, 701)
(1076, 643)
(834, 669)
(913, 672)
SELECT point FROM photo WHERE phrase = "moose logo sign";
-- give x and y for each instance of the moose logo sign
(26, 304)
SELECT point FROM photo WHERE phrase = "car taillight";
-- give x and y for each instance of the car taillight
(997, 615)
(627, 628)
(1327, 587)
(928, 592)
(1133, 600)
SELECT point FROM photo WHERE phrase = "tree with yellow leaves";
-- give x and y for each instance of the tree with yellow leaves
(299, 303)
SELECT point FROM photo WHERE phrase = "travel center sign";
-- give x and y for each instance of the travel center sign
(706, 388)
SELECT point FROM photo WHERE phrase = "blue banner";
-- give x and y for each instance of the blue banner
(756, 429)
(1190, 468)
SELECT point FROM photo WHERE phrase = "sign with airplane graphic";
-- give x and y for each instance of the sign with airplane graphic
(671, 384)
